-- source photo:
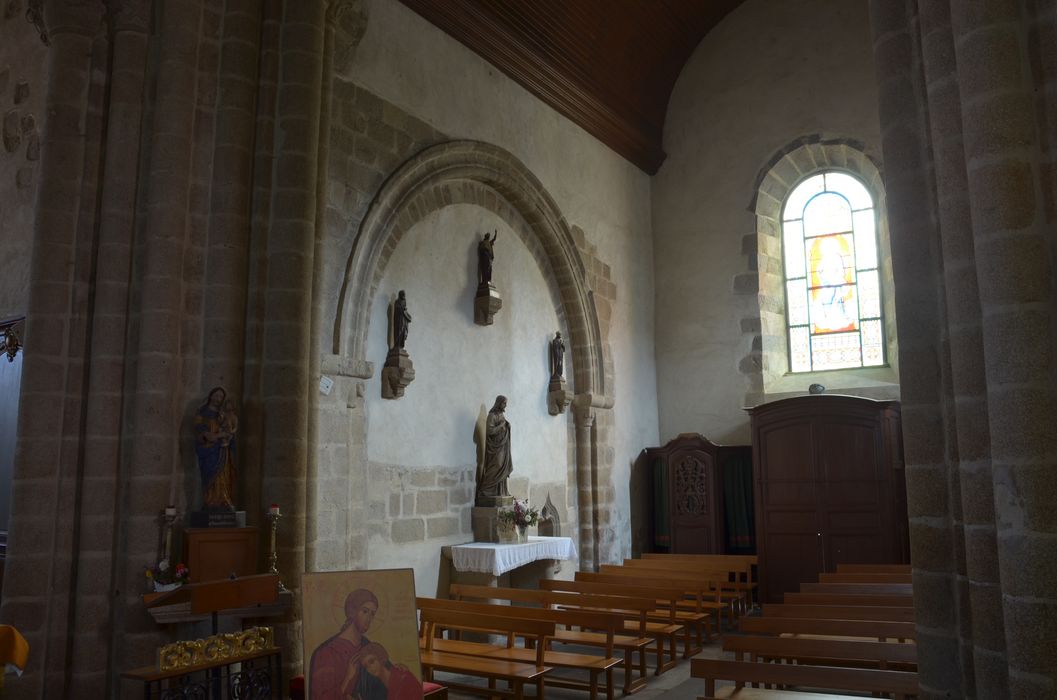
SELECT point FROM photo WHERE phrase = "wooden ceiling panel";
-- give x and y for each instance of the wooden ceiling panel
(608, 65)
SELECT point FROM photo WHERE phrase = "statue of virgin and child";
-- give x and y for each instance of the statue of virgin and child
(215, 424)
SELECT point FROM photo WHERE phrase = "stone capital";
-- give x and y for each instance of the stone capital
(55, 17)
(129, 15)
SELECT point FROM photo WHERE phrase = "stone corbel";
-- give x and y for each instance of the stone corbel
(52, 17)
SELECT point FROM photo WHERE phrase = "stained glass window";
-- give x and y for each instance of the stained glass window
(832, 285)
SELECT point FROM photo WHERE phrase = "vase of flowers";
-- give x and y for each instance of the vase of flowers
(163, 576)
(514, 522)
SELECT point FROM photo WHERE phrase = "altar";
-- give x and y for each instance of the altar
(519, 565)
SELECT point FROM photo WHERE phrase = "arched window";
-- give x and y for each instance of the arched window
(834, 317)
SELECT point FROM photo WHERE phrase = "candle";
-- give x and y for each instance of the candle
(273, 509)
(170, 511)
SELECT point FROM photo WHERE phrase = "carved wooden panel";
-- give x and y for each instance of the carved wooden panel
(691, 489)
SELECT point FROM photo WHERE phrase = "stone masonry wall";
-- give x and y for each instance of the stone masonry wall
(23, 78)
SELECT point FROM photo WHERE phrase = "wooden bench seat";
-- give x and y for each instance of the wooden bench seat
(743, 567)
(628, 644)
(864, 578)
(594, 665)
(840, 612)
(732, 582)
(708, 592)
(514, 673)
(858, 588)
(900, 684)
(868, 654)
(621, 597)
(867, 629)
(899, 601)
(689, 602)
(873, 568)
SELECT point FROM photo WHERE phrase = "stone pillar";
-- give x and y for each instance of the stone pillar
(1015, 268)
(290, 245)
(925, 375)
(104, 474)
(585, 476)
(982, 636)
(158, 402)
(227, 253)
(38, 592)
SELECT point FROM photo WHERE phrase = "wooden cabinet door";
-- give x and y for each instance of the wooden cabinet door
(788, 526)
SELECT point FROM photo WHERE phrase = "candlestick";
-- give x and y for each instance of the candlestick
(273, 516)
(170, 518)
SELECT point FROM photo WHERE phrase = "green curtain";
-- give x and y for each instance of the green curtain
(662, 536)
(738, 503)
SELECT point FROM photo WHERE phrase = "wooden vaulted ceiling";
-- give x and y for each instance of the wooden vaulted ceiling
(608, 65)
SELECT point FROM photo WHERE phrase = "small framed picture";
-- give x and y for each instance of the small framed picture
(360, 633)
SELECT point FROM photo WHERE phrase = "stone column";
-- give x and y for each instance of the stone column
(37, 583)
(982, 634)
(290, 243)
(227, 253)
(585, 473)
(158, 402)
(927, 405)
(104, 476)
(1015, 268)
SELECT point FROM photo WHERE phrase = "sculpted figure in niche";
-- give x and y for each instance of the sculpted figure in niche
(485, 256)
(557, 356)
(497, 465)
(401, 320)
(214, 426)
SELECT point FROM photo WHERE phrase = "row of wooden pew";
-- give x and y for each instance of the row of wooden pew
(851, 631)
(624, 613)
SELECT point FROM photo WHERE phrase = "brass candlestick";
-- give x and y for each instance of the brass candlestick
(273, 516)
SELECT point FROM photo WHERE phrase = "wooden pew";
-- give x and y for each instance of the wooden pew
(628, 644)
(731, 598)
(827, 652)
(747, 563)
(864, 578)
(515, 673)
(594, 665)
(858, 588)
(705, 592)
(660, 631)
(671, 594)
(880, 630)
(840, 612)
(900, 684)
(904, 601)
(873, 568)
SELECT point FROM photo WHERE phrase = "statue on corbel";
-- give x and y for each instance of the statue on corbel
(398, 370)
(486, 302)
(10, 341)
(558, 394)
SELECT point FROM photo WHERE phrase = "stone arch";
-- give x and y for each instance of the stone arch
(766, 364)
(438, 177)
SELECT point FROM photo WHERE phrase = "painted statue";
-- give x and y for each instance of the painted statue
(557, 356)
(401, 320)
(485, 256)
(215, 424)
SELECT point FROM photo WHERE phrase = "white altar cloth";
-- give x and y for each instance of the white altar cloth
(497, 559)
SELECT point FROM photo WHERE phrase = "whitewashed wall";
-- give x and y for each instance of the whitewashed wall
(771, 72)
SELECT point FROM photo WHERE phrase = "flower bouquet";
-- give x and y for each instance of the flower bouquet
(164, 577)
(515, 520)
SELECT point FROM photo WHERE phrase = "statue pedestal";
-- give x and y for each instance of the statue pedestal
(486, 303)
(483, 519)
(558, 396)
(397, 373)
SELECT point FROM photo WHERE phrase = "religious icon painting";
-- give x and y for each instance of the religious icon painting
(361, 635)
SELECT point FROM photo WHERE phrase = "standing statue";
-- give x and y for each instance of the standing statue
(401, 320)
(497, 465)
(557, 356)
(485, 256)
(214, 425)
